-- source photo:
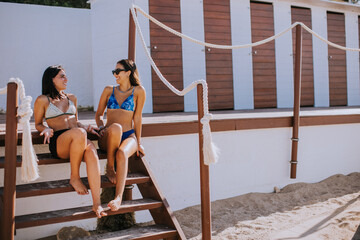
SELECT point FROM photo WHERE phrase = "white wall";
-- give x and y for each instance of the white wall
(192, 24)
(258, 162)
(34, 37)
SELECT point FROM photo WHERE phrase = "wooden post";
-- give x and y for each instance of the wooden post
(131, 56)
(8, 217)
(204, 174)
(131, 50)
(297, 95)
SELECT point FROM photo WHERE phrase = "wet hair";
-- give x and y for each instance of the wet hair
(48, 87)
(129, 65)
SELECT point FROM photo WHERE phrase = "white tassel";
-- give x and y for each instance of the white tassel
(210, 150)
(29, 166)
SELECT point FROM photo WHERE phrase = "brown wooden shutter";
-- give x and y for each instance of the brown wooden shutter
(166, 50)
(264, 67)
(219, 74)
(307, 74)
(337, 59)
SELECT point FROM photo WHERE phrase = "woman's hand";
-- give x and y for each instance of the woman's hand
(93, 130)
(48, 133)
(140, 150)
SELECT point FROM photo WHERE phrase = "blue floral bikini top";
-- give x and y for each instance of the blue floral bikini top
(128, 104)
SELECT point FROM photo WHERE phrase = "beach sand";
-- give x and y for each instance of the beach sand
(329, 209)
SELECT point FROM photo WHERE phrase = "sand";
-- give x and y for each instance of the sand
(329, 209)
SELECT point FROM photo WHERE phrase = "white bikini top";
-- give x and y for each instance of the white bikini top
(53, 111)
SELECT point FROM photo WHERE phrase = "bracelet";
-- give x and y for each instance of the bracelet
(101, 128)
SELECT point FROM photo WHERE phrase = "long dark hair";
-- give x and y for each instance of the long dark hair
(48, 87)
(129, 65)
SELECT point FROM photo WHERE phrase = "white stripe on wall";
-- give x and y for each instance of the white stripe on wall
(193, 55)
(320, 55)
(242, 58)
(142, 62)
(283, 56)
(352, 59)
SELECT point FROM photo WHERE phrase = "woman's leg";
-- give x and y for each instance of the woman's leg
(127, 148)
(71, 144)
(110, 142)
(93, 173)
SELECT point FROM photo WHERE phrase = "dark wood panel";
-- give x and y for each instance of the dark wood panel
(166, 50)
(337, 60)
(217, 28)
(264, 67)
(307, 84)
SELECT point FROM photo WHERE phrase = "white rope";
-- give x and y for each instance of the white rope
(29, 166)
(210, 151)
(179, 34)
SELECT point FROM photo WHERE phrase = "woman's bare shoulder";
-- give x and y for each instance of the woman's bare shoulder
(139, 90)
(72, 97)
(42, 99)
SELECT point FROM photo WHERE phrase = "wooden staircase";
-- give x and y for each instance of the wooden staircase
(166, 226)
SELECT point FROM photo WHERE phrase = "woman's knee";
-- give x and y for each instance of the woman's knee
(115, 128)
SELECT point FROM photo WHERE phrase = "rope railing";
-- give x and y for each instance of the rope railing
(29, 165)
(219, 46)
(210, 150)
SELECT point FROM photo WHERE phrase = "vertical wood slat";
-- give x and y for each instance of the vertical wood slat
(337, 60)
(165, 48)
(8, 214)
(204, 174)
(131, 56)
(219, 66)
(307, 73)
(297, 94)
(264, 66)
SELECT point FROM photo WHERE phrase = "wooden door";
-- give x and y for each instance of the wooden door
(337, 59)
(166, 50)
(264, 67)
(307, 73)
(219, 74)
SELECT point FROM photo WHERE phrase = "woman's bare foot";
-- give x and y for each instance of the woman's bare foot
(78, 186)
(115, 204)
(111, 174)
(100, 212)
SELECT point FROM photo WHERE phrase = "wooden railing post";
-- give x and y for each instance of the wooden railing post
(132, 31)
(8, 214)
(297, 95)
(204, 174)
(131, 56)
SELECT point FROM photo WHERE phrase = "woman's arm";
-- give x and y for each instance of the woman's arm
(39, 114)
(140, 101)
(102, 106)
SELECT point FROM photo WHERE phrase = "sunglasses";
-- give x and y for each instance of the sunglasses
(117, 71)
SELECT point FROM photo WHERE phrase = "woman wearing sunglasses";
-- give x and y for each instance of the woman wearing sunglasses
(121, 136)
(66, 136)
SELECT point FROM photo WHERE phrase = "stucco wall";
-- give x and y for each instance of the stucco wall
(34, 37)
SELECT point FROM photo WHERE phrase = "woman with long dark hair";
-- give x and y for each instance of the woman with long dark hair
(121, 136)
(66, 136)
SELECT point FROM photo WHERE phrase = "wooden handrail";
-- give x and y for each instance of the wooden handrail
(8, 214)
(297, 96)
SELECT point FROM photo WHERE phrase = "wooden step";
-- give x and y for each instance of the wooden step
(62, 186)
(46, 158)
(66, 215)
(143, 233)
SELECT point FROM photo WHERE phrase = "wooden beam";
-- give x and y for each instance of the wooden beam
(8, 217)
(204, 174)
(297, 94)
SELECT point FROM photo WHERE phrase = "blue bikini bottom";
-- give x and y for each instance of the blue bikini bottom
(127, 134)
